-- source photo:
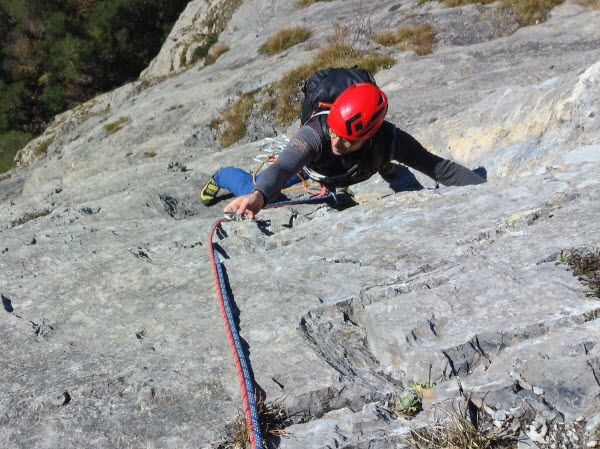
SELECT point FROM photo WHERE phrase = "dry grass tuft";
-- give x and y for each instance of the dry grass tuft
(306, 3)
(586, 266)
(528, 12)
(273, 419)
(283, 39)
(235, 118)
(531, 12)
(454, 3)
(418, 38)
(9, 194)
(592, 4)
(217, 51)
(31, 216)
(460, 432)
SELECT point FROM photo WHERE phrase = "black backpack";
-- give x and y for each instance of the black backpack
(325, 85)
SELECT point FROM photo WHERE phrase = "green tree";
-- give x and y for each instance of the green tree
(56, 53)
(14, 105)
(53, 99)
(10, 143)
(127, 34)
(4, 21)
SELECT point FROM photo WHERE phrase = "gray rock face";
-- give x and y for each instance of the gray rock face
(110, 330)
(197, 22)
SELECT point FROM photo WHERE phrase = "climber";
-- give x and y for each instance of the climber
(347, 145)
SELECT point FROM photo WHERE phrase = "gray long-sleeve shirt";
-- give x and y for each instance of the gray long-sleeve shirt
(311, 147)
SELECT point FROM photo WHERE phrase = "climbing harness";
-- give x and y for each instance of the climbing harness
(239, 358)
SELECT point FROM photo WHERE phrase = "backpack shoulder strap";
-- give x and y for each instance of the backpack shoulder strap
(314, 115)
(390, 156)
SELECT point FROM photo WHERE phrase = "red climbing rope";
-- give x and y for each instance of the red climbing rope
(236, 358)
(246, 387)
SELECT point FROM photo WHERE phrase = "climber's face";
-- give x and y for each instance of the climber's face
(341, 146)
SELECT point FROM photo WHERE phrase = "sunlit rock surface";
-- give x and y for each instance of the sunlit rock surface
(110, 330)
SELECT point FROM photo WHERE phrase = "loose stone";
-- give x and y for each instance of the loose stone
(525, 385)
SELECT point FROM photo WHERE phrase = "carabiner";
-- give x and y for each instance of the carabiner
(233, 216)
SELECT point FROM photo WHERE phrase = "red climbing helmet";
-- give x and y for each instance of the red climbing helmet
(358, 112)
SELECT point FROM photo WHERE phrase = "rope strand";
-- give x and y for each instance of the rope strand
(246, 385)
(239, 358)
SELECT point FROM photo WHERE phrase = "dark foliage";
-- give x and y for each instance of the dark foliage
(57, 53)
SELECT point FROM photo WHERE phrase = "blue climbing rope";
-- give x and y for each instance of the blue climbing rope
(242, 365)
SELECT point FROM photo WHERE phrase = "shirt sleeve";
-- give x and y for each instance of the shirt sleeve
(306, 146)
(452, 174)
(410, 152)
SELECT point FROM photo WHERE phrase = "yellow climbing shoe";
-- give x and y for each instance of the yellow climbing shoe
(209, 192)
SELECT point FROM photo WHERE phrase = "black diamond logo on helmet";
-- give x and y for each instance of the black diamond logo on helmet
(349, 123)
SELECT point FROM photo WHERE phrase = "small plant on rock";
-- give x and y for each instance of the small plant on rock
(42, 148)
(406, 405)
(420, 386)
(115, 126)
(201, 51)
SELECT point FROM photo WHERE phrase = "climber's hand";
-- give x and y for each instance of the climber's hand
(248, 204)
